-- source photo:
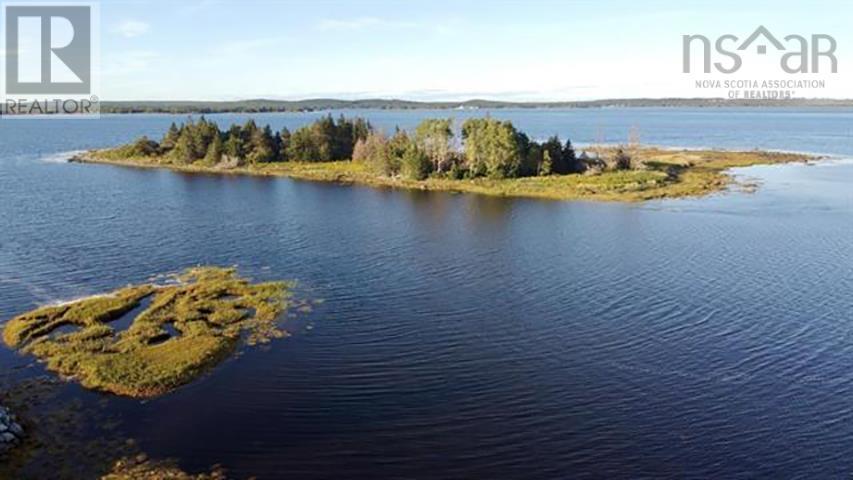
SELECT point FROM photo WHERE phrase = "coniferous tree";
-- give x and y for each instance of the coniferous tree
(233, 146)
(197, 138)
(570, 159)
(343, 139)
(276, 147)
(303, 146)
(531, 155)
(170, 138)
(554, 148)
(141, 147)
(248, 130)
(214, 151)
(247, 134)
(415, 164)
(262, 146)
(183, 153)
(398, 143)
(361, 129)
(284, 144)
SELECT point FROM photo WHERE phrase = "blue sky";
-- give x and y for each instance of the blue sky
(512, 50)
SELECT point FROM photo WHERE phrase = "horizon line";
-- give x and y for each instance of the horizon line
(491, 100)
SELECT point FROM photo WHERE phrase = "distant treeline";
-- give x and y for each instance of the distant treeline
(261, 105)
(484, 147)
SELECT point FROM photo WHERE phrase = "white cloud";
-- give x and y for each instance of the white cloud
(131, 28)
(362, 23)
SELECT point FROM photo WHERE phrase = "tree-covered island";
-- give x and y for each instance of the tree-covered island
(484, 155)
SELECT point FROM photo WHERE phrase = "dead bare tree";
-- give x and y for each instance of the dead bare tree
(634, 137)
(633, 147)
(598, 146)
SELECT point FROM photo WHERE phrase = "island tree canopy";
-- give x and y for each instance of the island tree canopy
(488, 148)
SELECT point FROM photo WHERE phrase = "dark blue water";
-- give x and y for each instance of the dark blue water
(475, 337)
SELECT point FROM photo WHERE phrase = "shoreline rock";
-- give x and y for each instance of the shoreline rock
(11, 432)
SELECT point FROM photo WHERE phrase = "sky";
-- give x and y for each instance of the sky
(443, 50)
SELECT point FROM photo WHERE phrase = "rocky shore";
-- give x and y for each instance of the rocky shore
(11, 432)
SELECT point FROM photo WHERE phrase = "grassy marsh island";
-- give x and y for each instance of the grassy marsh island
(142, 468)
(488, 157)
(182, 330)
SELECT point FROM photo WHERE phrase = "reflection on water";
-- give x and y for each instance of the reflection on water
(467, 336)
(124, 322)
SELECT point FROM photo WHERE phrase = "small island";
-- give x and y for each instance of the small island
(146, 340)
(488, 157)
(142, 468)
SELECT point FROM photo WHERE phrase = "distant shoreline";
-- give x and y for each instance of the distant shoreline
(179, 107)
(311, 105)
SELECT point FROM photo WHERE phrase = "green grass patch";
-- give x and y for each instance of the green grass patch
(210, 308)
(141, 468)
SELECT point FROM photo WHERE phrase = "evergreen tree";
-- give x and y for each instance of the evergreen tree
(262, 146)
(415, 164)
(324, 140)
(248, 131)
(141, 147)
(214, 151)
(276, 147)
(170, 138)
(554, 148)
(284, 145)
(398, 144)
(233, 146)
(343, 139)
(198, 138)
(361, 129)
(570, 159)
(531, 155)
(183, 153)
(303, 146)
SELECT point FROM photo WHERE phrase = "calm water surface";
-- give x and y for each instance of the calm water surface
(475, 337)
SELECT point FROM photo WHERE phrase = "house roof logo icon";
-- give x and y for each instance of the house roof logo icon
(761, 31)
